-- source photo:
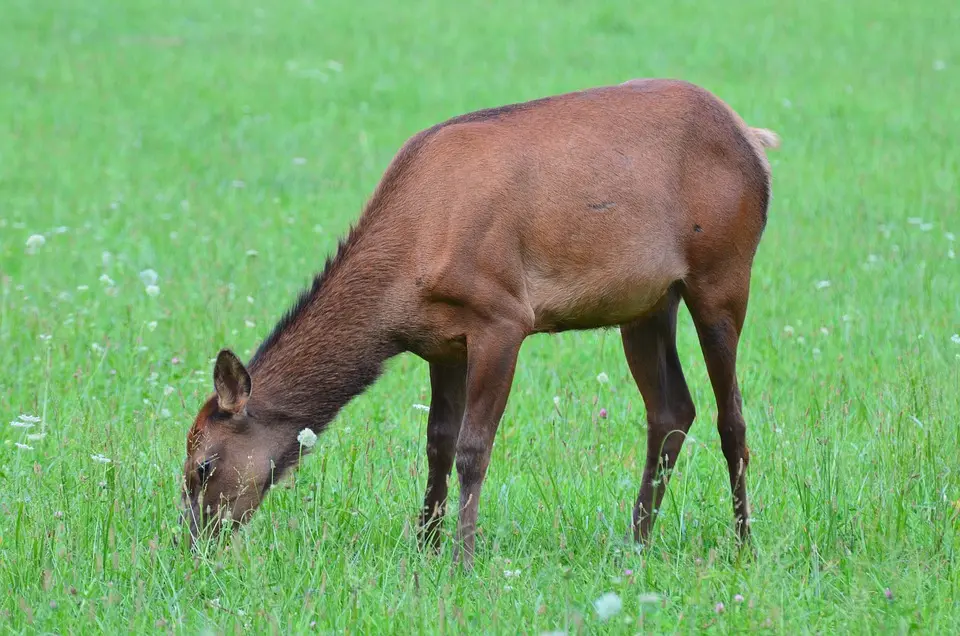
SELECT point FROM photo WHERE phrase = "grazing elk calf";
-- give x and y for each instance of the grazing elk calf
(602, 207)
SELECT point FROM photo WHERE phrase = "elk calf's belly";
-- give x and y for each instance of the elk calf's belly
(591, 303)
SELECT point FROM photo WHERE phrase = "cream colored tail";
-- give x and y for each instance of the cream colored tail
(767, 138)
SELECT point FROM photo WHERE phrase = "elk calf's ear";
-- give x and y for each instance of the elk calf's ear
(231, 381)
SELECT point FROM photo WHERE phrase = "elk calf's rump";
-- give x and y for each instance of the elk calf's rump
(602, 207)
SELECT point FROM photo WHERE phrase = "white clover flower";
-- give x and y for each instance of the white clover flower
(602, 378)
(608, 605)
(152, 290)
(788, 329)
(149, 277)
(167, 390)
(34, 243)
(152, 325)
(100, 459)
(106, 280)
(307, 438)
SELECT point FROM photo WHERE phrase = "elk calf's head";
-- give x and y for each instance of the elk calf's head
(235, 452)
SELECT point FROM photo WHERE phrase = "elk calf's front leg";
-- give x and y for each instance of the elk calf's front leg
(490, 368)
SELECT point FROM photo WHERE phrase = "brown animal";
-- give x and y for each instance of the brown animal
(602, 207)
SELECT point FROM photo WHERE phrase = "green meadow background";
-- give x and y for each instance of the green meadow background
(226, 145)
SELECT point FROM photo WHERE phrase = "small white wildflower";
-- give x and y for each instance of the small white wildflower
(824, 331)
(318, 229)
(823, 284)
(237, 183)
(556, 401)
(106, 258)
(939, 65)
(100, 459)
(149, 277)
(422, 407)
(252, 253)
(250, 324)
(511, 573)
(926, 227)
(165, 413)
(787, 103)
(816, 352)
(872, 258)
(250, 299)
(32, 419)
(788, 329)
(35, 242)
(608, 605)
(152, 325)
(168, 390)
(152, 290)
(307, 438)
(35, 437)
(334, 66)
(649, 598)
(951, 254)
(299, 161)
(83, 287)
(106, 280)
(45, 337)
(61, 229)
(97, 347)
(602, 378)
(23, 446)
(914, 220)
(955, 338)
(19, 424)
(950, 237)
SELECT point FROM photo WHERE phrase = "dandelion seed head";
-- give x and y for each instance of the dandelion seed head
(307, 438)
(35, 242)
(602, 378)
(608, 605)
(149, 277)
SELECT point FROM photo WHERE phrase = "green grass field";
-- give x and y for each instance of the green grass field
(226, 145)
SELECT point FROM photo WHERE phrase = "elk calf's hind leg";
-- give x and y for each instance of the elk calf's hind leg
(719, 319)
(492, 358)
(448, 383)
(650, 347)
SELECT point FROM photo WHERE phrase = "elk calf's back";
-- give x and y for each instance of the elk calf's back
(602, 207)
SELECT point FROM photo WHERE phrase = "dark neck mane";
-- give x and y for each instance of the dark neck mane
(331, 345)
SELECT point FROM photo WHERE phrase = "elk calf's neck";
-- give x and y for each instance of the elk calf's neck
(598, 208)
